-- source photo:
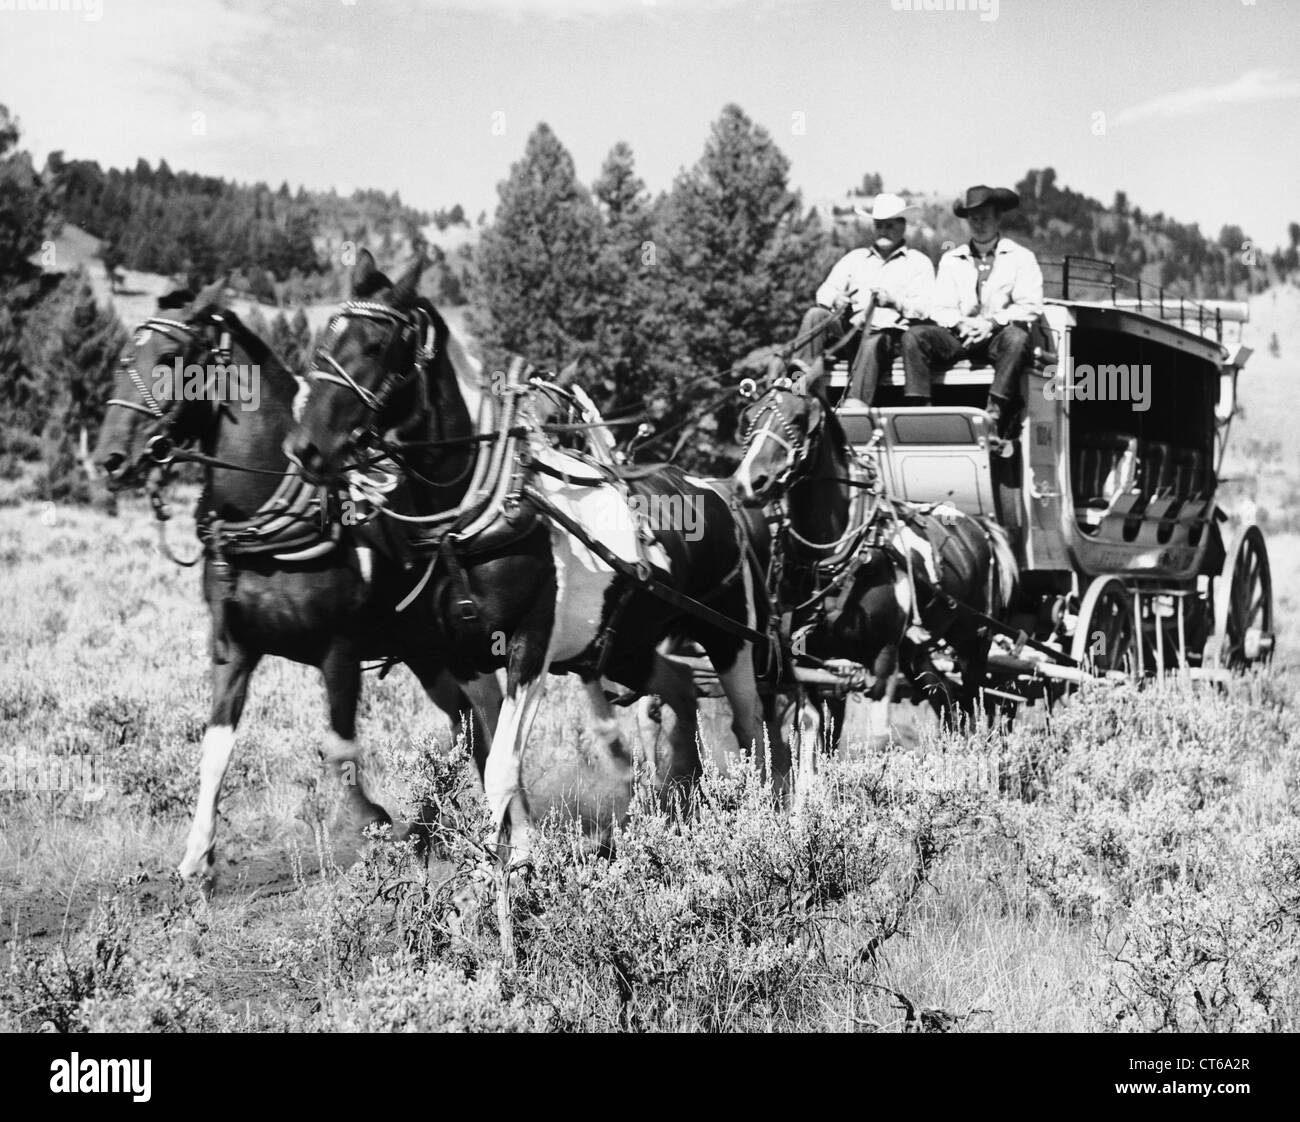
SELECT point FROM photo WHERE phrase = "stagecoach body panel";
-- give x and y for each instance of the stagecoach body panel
(928, 455)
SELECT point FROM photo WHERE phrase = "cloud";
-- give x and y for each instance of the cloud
(1255, 85)
(586, 9)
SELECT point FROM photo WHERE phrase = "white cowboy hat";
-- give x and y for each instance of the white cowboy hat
(885, 206)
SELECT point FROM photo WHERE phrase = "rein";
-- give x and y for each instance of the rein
(285, 510)
(556, 427)
(161, 516)
(189, 456)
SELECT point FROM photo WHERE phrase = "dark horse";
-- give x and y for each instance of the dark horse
(279, 579)
(542, 563)
(859, 570)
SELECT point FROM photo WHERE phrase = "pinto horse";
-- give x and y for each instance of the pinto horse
(279, 578)
(860, 571)
(541, 561)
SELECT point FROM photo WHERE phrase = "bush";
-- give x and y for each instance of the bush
(1222, 959)
(400, 996)
(1134, 788)
(732, 914)
(735, 919)
(94, 982)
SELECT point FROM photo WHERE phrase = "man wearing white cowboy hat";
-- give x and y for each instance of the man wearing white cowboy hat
(896, 281)
(987, 291)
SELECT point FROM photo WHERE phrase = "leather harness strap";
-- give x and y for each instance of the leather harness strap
(626, 569)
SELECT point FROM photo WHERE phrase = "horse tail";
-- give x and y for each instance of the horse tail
(1004, 573)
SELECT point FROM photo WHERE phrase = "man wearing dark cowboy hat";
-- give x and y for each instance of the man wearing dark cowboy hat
(987, 290)
(896, 282)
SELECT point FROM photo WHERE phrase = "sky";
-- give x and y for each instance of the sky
(1190, 106)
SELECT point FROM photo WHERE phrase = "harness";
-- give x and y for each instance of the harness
(836, 562)
(293, 524)
(876, 532)
(503, 501)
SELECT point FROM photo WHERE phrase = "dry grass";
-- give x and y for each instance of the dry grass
(907, 888)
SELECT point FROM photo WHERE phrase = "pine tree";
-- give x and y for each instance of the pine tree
(627, 310)
(71, 345)
(538, 274)
(738, 261)
(25, 205)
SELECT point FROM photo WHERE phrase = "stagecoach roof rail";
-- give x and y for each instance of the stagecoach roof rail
(1092, 273)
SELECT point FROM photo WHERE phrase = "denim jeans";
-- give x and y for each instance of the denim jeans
(928, 349)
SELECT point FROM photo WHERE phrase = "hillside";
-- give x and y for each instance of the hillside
(1054, 221)
(136, 297)
(275, 245)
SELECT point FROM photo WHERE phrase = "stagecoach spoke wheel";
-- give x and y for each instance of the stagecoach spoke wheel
(1244, 604)
(1105, 631)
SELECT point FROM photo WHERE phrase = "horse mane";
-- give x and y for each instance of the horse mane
(449, 347)
(830, 417)
(253, 344)
(468, 370)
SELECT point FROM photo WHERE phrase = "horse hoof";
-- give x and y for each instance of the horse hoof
(198, 875)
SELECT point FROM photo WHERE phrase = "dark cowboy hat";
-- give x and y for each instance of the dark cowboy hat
(1000, 197)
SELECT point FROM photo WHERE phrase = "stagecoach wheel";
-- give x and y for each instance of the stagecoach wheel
(1243, 606)
(1104, 636)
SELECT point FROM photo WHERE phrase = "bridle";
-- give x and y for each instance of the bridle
(159, 447)
(403, 329)
(797, 446)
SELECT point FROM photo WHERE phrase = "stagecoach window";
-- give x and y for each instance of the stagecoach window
(858, 428)
(1125, 384)
(934, 428)
(1141, 431)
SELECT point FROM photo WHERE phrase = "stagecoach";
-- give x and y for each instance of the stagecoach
(1107, 486)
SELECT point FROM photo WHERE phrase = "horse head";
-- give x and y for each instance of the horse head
(784, 430)
(367, 377)
(176, 375)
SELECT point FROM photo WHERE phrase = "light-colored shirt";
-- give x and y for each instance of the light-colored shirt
(906, 275)
(1012, 288)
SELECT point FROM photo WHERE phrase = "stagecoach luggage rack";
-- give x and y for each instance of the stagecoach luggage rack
(1095, 281)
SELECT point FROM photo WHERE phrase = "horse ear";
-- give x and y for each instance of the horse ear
(408, 284)
(363, 270)
(213, 294)
(176, 298)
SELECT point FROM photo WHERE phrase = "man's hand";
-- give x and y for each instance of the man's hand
(883, 299)
(840, 302)
(974, 330)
